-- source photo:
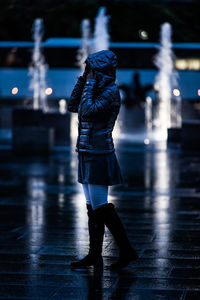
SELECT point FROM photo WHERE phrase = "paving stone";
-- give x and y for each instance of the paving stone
(26, 292)
(43, 227)
(186, 272)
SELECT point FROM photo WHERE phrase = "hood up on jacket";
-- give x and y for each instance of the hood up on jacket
(103, 65)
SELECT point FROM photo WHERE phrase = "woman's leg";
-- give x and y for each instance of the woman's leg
(107, 214)
(96, 233)
(86, 193)
(98, 195)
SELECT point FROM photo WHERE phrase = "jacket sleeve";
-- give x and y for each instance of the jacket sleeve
(75, 97)
(92, 106)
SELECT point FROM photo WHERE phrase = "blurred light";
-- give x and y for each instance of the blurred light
(143, 34)
(176, 92)
(62, 106)
(146, 141)
(148, 99)
(194, 64)
(61, 199)
(181, 64)
(48, 91)
(61, 178)
(14, 91)
(188, 64)
(198, 92)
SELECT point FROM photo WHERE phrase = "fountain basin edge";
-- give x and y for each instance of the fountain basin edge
(33, 127)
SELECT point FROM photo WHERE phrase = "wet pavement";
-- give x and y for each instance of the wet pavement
(43, 224)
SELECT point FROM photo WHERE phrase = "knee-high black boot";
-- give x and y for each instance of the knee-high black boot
(96, 234)
(108, 214)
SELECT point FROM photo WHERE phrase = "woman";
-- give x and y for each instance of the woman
(96, 99)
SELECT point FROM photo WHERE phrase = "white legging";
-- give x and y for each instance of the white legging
(95, 195)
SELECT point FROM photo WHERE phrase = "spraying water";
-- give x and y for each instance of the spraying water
(148, 116)
(85, 48)
(38, 68)
(176, 109)
(165, 82)
(101, 35)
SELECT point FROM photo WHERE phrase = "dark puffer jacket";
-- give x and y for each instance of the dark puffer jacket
(97, 102)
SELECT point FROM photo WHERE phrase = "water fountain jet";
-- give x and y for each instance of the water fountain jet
(36, 130)
(38, 68)
(101, 35)
(168, 112)
(86, 46)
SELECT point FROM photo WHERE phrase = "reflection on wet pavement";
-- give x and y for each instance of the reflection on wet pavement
(44, 227)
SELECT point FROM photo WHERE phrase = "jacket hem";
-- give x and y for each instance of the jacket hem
(100, 183)
(95, 151)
